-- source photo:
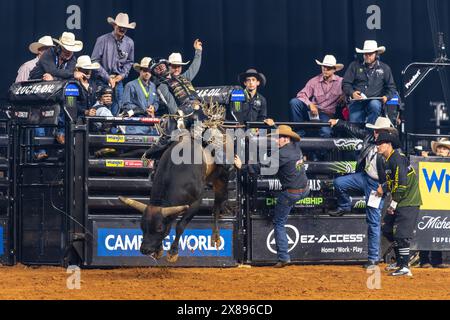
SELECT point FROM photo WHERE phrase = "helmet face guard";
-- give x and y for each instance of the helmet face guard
(102, 90)
(160, 68)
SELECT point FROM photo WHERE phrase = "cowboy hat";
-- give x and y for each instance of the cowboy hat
(46, 41)
(176, 59)
(68, 42)
(444, 142)
(145, 63)
(286, 131)
(382, 123)
(371, 46)
(252, 73)
(388, 137)
(330, 61)
(84, 62)
(122, 20)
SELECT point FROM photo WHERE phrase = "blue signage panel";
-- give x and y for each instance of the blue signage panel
(2, 249)
(237, 95)
(119, 242)
(72, 90)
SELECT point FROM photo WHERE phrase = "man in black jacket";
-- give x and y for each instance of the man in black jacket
(292, 175)
(59, 63)
(369, 176)
(366, 80)
(254, 108)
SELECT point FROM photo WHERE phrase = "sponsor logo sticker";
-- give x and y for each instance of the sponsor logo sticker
(115, 139)
(193, 243)
(115, 163)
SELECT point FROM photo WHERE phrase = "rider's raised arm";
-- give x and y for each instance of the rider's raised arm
(193, 70)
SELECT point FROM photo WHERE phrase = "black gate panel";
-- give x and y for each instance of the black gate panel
(42, 224)
(312, 239)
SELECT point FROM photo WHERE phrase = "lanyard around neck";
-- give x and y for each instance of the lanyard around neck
(63, 66)
(146, 93)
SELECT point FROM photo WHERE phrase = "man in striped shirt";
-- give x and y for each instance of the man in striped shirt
(320, 97)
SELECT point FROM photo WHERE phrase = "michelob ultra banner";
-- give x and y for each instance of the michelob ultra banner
(434, 184)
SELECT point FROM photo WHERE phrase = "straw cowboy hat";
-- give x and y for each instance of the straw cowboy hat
(443, 142)
(286, 131)
(46, 41)
(84, 62)
(252, 73)
(177, 60)
(145, 63)
(371, 46)
(122, 20)
(68, 42)
(330, 61)
(382, 123)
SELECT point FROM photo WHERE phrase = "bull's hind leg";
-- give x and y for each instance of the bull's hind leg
(220, 187)
(172, 255)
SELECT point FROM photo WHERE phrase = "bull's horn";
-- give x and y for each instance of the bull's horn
(166, 212)
(134, 204)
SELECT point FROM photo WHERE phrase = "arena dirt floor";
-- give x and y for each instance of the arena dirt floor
(255, 283)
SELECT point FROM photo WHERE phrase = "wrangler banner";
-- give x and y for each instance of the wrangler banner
(433, 224)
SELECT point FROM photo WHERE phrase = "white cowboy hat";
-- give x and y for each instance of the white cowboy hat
(444, 142)
(330, 61)
(371, 46)
(68, 42)
(145, 63)
(381, 124)
(45, 41)
(176, 59)
(84, 62)
(122, 20)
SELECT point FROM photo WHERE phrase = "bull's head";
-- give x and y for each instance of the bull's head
(155, 224)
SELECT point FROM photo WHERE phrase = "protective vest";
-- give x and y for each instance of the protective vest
(182, 90)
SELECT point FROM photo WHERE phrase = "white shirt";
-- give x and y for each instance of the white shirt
(23, 74)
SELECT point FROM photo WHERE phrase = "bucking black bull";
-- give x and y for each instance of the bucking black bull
(177, 190)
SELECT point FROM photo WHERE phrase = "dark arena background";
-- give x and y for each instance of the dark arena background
(279, 38)
(65, 233)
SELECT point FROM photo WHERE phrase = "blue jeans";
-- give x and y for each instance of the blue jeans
(39, 132)
(363, 183)
(140, 130)
(360, 111)
(299, 113)
(117, 103)
(284, 205)
(61, 124)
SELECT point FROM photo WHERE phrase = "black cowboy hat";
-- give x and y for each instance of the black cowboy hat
(388, 137)
(252, 73)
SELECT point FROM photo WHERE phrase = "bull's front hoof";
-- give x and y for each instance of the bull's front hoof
(159, 254)
(215, 240)
(172, 258)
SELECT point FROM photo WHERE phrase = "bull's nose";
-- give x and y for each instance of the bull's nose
(145, 251)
